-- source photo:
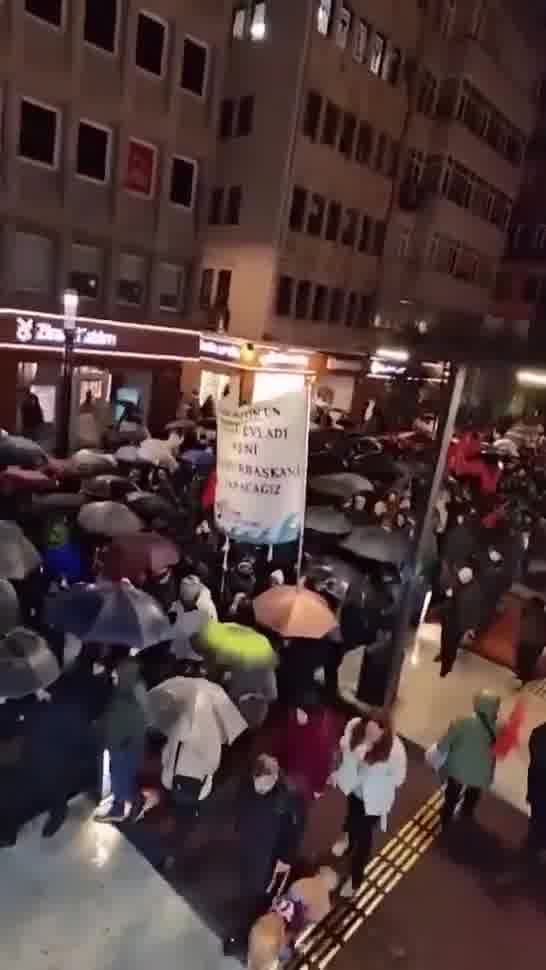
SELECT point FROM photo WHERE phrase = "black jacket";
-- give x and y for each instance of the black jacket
(536, 780)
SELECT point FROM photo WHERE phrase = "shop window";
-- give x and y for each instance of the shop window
(285, 292)
(245, 116)
(364, 143)
(343, 27)
(377, 53)
(364, 238)
(330, 125)
(195, 66)
(140, 175)
(51, 11)
(360, 41)
(391, 64)
(93, 151)
(311, 117)
(315, 217)
(350, 309)
(170, 287)
(86, 269)
(324, 16)
(151, 43)
(33, 263)
(233, 205)
(227, 115)
(333, 222)
(132, 271)
(183, 182)
(336, 305)
(320, 302)
(216, 207)
(303, 296)
(347, 136)
(100, 24)
(39, 133)
(348, 236)
(297, 209)
(205, 288)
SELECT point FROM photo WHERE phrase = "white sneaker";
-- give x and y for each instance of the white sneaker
(347, 890)
(340, 847)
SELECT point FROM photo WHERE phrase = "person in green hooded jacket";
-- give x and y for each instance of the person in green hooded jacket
(469, 756)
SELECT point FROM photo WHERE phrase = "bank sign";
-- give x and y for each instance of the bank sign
(39, 332)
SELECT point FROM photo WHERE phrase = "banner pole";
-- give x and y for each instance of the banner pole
(299, 564)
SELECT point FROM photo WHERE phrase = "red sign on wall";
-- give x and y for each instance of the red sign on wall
(141, 166)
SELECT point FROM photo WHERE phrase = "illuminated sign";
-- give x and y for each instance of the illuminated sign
(380, 368)
(215, 348)
(275, 358)
(334, 363)
(31, 331)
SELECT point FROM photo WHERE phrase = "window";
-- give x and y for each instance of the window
(531, 289)
(170, 287)
(330, 124)
(93, 151)
(503, 286)
(132, 270)
(364, 310)
(391, 64)
(343, 27)
(100, 24)
(364, 239)
(183, 182)
(324, 16)
(364, 143)
(333, 222)
(245, 117)
(238, 28)
(233, 207)
(376, 53)
(194, 74)
(426, 97)
(205, 288)
(151, 43)
(315, 217)
(350, 309)
(33, 259)
(140, 176)
(258, 25)
(86, 270)
(336, 306)
(479, 17)
(403, 244)
(379, 237)
(216, 207)
(380, 149)
(39, 133)
(223, 288)
(447, 18)
(311, 117)
(348, 235)
(297, 209)
(227, 114)
(303, 295)
(347, 137)
(360, 41)
(285, 292)
(319, 304)
(49, 10)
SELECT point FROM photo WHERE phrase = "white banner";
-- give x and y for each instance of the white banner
(261, 468)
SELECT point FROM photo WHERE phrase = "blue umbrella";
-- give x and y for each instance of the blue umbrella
(199, 456)
(109, 613)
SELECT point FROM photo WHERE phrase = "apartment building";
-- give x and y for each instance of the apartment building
(370, 152)
(109, 111)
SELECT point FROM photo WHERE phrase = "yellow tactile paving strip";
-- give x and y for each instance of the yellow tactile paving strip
(318, 946)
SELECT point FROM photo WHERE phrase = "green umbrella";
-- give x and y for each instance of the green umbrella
(236, 645)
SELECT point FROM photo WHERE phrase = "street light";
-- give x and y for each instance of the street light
(70, 314)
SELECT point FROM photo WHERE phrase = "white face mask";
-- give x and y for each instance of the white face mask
(264, 784)
(465, 575)
(495, 555)
(359, 503)
(460, 519)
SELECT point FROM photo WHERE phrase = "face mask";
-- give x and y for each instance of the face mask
(465, 575)
(495, 555)
(264, 784)
(359, 503)
(460, 519)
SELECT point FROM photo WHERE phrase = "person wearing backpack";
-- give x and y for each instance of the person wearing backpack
(468, 756)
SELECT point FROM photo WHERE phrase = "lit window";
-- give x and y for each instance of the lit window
(324, 16)
(39, 133)
(258, 25)
(360, 41)
(195, 67)
(376, 54)
(238, 29)
(343, 27)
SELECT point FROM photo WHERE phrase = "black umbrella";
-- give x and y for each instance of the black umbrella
(58, 502)
(107, 487)
(109, 613)
(23, 452)
(343, 485)
(327, 521)
(18, 557)
(373, 542)
(149, 506)
(27, 664)
(108, 519)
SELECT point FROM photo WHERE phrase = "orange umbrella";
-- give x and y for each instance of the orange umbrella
(294, 611)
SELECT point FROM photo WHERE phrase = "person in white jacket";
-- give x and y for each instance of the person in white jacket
(373, 767)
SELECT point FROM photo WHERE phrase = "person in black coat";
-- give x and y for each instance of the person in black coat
(271, 822)
(461, 617)
(536, 790)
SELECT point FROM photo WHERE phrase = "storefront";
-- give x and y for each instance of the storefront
(338, 382)
(114, 363)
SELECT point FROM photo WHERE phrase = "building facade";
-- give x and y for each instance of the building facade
(369, 157)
